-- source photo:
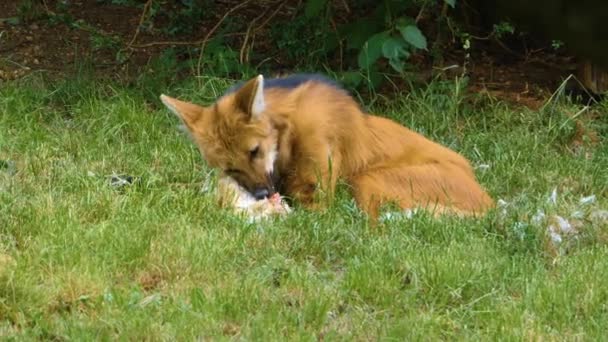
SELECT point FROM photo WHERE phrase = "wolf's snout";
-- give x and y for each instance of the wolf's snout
(264, 190)
(271, 181)
(260, 193)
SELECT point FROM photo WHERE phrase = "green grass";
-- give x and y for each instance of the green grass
(157, 260)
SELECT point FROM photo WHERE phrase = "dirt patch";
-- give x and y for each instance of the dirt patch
(98, 32)
(519, 82)
(89, 31)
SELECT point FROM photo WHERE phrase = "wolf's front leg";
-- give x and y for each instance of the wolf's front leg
(314, 179)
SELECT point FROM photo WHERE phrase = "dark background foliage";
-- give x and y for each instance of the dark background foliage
(365, 44)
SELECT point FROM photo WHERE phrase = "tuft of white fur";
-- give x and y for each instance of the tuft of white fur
(271, 156)
(259, 104)
(167, 102)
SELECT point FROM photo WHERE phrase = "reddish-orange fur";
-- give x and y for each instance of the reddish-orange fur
(322, 136)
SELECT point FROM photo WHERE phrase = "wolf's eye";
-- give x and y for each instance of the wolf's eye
(254, 153)
(232, 172)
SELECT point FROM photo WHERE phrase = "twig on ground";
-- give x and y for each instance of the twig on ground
(346, 7)
(141, 22)
(528, 59)
(247, 35)
(46, 7)
(272, 15)
(180, 43)
(421, 12)
(340, 44)
(251, 32)
(213, 29)
(24, 67)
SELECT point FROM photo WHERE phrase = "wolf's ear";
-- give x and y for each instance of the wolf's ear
(188, 112)
(250, 98)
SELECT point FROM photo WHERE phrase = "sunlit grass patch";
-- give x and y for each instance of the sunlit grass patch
(155, 258)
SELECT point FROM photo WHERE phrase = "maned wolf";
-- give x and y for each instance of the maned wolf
(300, 134)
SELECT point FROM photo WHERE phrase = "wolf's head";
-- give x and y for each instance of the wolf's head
(235, 135)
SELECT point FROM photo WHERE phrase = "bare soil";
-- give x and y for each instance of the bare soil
(56, 47)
